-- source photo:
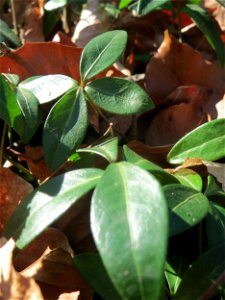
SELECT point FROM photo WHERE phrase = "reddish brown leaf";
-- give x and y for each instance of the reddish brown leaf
(13, 285)
(13, 189)
(177, 64)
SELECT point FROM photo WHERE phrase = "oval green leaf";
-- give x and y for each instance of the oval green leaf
(108, 149)
(30, 109)
(163, 176)
(206, 142)
(206, 24)
(129, 221)
(203, 276)
(189, 178)
(65, 128)
(9, 108)
(92, 269)
(118, 95)
(101, 52)
(187, 207)
(49, 87)
(47, 203)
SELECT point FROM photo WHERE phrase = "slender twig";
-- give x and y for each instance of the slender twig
(12, 3)
(213, 287)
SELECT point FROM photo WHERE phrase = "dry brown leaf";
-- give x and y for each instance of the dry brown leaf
(93, 21)
(13, 189)
(177, 64)
(12, 284)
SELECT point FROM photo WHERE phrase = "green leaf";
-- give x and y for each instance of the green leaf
(118, 95)
(206, 142)
(48, 202)
(215, 224)
(11, 78)
(30, 109)
(189, 178)
(101, 52)
(108, 149)
(163, 176)
(175, 268)
(187, 207)
(65, 128)
(6, 34)
(49, 87)
(92, 269)
(9, 108)
(55, 4)
(146, 6)
(206, 24)
(124, 3)
(203, 275)
(129, 222)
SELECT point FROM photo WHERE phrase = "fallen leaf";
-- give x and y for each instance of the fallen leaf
(13, 189)
(177, 64)
(13, 285)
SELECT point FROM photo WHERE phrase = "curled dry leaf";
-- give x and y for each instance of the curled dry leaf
(184, 97)
(13, 189)
(13, 285)
(93, 21)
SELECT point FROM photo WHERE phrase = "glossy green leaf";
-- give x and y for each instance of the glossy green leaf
(49, 87)
(92, 269)
(119, 96)
(65, 128)
(55, 4)
(163, 176)
(129, 222)
(108, 149)
(30, 109)
(206, 142)
(215, 224)
(146, 6)
(189, 178)
(187, 207)
(203, 275)
(175, 268)
(101, 52)
(7, 34)
(206, 24)
(11, 78)
(9, 108)
(48, 202)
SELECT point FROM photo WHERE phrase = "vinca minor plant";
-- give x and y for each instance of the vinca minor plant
(159, 233)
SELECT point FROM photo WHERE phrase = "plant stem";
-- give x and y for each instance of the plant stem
(12, 3)
(179, 10)
(3, 143)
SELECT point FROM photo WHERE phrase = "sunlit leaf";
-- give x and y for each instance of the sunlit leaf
(130, 204)
(189, 178)
(119, 96)
(206, 142)
(55, 4)
(101, 52)
(49, 201)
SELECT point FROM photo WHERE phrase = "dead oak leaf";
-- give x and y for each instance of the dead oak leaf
(13, 285)
(13, 189)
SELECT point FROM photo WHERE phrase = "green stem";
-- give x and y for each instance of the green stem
(12, 3)
(3, 143)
